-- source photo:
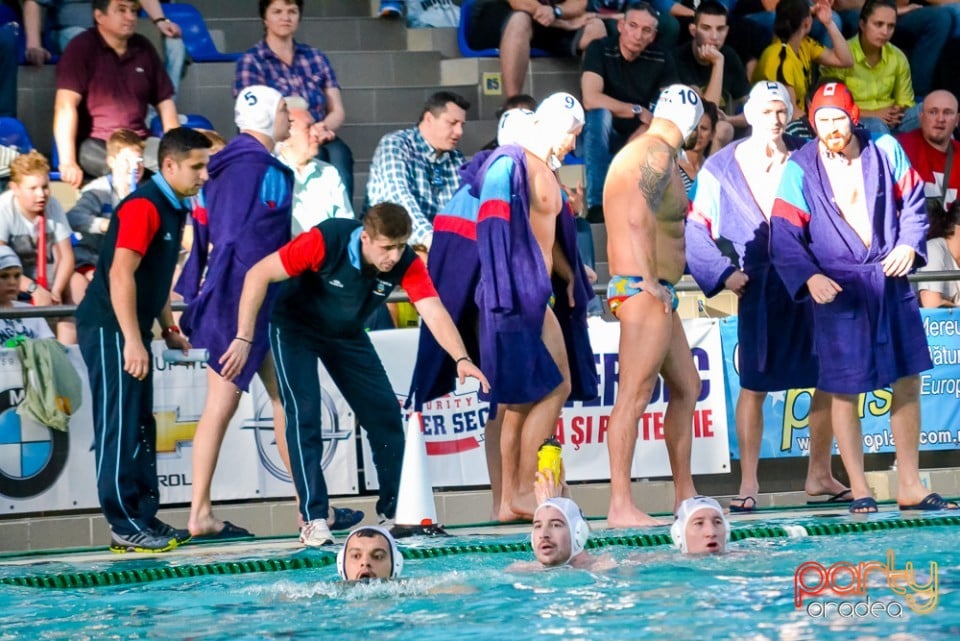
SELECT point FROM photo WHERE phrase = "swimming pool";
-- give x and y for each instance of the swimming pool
(653, 594)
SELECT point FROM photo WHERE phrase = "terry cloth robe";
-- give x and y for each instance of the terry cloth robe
(775, 333)
(498, 263)
(871, 334)
(248, 201)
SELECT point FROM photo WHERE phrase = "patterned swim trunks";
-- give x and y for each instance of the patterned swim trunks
(623, 287)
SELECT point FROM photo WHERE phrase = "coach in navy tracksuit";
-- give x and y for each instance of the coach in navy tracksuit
(131, 288)
(344, 271)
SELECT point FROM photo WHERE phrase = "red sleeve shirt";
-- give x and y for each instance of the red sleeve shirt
(304, 252)
(416, 281)
(138, 224)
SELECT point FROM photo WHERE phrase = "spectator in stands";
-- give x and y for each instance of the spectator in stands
(563, 28)
(66, 19)
(622, 77)
(943, 254)
(11, 271)
(90, 217)
(523, 102)
(296, 69)
(8, 66)
(46, 275)
(714, 69)
(933, 151)
(690, 161)
(921, 33)
(791, 56)
(668, 27)
(107, 77)
(417, 167)
(880, 76)
(318, 191)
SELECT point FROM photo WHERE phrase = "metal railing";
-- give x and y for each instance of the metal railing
(685, 285)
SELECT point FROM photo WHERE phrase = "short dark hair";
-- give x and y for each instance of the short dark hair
(437, 103)
(387, 220)
(710, 8)
(103, 5)
(178, 143)
(519, 101)
(872, 5)
(642, 5)
(265, 4)
(943, 224)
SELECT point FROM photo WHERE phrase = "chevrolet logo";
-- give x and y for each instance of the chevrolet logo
(172, 432)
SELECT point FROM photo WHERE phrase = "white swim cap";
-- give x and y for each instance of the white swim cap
(395, 556)
(559, 114)
(682, 106)
(579, 530)
(764, 92)
(256, 109)
(687, 509)
(513, 125)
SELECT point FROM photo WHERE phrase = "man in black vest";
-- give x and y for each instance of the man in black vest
(342, 271)
(131, 288)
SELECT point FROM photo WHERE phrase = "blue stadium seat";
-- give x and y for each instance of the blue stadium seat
(194, 121)
(7, 16)
(14, 134)
(196, 36)
(467, 52)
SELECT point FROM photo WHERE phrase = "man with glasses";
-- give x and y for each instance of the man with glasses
(417, 167)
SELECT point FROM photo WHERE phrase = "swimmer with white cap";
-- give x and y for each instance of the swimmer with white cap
(645, 208)
(262, 112)
(554, 129)
(701, 527)
(370, 552)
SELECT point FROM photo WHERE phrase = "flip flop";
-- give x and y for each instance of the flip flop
(931, 503)
(744, 506)
(228, 532)
(344, 518)
(843, 496)
(866, 505)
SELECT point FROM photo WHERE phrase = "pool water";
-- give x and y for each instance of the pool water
(652, 594)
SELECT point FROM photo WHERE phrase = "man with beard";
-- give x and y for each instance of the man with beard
(848, 225)
(646, 206)
(732, 199)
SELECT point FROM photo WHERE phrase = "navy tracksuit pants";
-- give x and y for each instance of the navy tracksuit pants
(356, 370)
(125, 433)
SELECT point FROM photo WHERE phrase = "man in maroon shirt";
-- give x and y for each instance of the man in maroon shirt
(106, 78)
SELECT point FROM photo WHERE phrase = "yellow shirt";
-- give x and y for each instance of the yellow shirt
(797, 67)
(887, 83)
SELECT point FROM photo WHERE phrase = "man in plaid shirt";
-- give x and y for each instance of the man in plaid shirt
(417, 167)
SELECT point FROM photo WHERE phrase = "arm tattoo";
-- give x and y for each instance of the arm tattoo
(654, 178)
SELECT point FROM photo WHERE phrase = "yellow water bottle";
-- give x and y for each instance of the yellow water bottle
(549, 457)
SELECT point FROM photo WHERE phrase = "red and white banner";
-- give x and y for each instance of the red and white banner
(454, 424)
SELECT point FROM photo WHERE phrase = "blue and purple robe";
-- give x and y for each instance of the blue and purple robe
(249, 199)
(871, 334)
(775, 333)
(489, 272)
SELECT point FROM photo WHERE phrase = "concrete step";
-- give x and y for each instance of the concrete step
(315, 8)
(379, 105)
(326, 34)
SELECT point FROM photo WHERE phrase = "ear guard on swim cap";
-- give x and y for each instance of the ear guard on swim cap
(764, 92)
(579, 529)
(686, 510)
(395, 557)
(682, 106)
(834, 94)
(255, 109)
(513, 125)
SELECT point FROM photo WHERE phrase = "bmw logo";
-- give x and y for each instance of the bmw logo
(32, 456)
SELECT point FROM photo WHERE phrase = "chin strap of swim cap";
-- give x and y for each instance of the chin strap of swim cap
(682, 106)
(558, 115)
(686, 510)
(396, 557)
(579, 529)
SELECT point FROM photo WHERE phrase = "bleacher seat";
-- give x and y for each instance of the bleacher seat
(194, 121)
(468, 52)
(7, 16)
(196, 36)
(14, 134)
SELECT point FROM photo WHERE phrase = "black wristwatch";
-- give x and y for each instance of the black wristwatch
(557, 12)
(637, 110)
(32, 287)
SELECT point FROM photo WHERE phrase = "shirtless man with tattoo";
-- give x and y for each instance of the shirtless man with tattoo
(645, 206)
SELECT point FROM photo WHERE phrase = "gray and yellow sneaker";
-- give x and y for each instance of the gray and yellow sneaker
(146, 541)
